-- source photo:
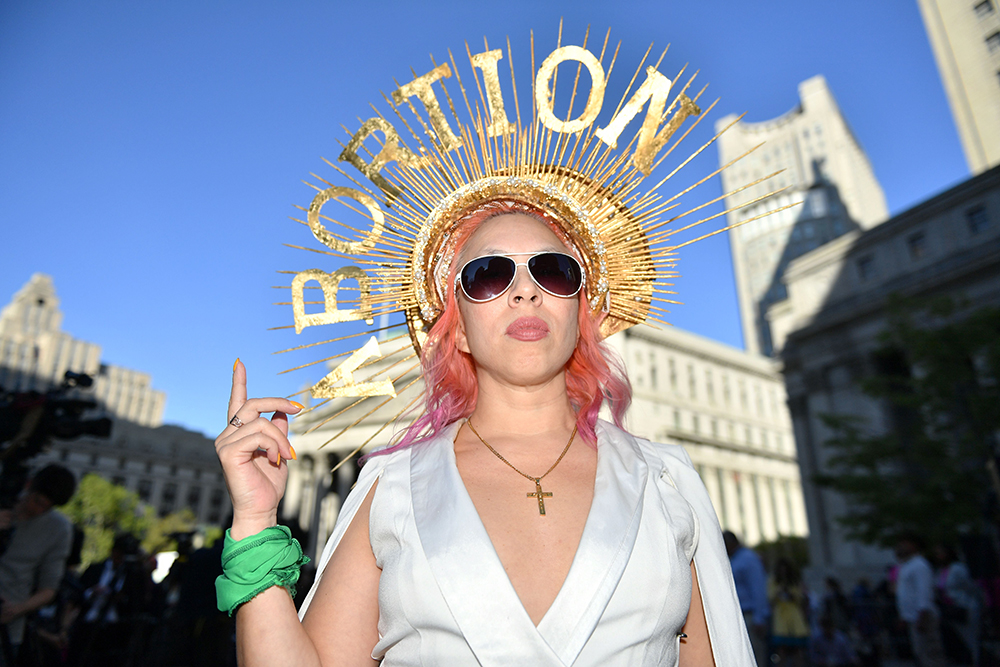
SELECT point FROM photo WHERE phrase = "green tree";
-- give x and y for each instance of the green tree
(928, 471)
(104, 510)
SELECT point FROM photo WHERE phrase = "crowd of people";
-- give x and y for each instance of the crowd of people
(928, 610)
(53, 612)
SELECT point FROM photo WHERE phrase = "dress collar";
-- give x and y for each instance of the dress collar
(472, 578)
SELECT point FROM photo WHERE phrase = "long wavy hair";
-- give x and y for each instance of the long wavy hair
(595, 374)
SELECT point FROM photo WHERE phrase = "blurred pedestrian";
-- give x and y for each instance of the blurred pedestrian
(831, 647)
(789, 629)
(751, 588)
(915, 601)
(116, 593)
(959, 600)
(31, 568)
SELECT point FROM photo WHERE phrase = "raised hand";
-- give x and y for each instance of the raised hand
(254, 452)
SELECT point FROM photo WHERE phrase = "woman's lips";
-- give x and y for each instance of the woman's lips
(528, 329)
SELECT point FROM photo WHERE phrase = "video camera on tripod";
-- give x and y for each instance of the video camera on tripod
(30, 420)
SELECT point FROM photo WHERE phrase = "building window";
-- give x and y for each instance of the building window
(977, 219)
(652, 372)
(93, 460)
(692, 389)
(673, 374)
(715, 428)
(709, 385)
(694, 423)
(725, 389)
(993, 42)
(984, 9)
(763, 438)
(677, 419)
(118, 480)
(145, 490)
(168, 498)
(749, 436)
(194, 498)
(866, 268)
(917, 245)
(149, 467)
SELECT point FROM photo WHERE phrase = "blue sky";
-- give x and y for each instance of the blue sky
(152, 153)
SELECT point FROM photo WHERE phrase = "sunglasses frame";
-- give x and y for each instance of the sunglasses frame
(531, 256)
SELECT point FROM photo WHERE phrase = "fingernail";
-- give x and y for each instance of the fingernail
(279, 460)
(298, 405)
(294, 458)
(235, 364)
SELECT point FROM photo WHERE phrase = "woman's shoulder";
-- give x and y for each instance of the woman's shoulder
(669, 454)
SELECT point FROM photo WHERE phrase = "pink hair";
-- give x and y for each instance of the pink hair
(594, 373)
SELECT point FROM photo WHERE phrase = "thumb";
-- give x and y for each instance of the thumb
(280, 419)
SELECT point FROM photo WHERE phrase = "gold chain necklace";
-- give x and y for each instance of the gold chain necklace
(537, 480)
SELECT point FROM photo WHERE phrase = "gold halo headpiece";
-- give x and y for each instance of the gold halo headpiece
(396, 224)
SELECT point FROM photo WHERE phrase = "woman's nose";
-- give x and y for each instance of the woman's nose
(524, 287)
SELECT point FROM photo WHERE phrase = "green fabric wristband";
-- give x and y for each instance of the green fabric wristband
(272, 557)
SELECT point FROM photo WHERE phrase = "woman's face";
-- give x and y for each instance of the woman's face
(525, 336)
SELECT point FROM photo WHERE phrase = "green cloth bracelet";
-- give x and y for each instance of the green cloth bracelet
(272, 557)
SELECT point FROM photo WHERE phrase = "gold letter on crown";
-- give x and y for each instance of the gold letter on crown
(347, 247)
(545, 94)
(345, 371)
(487, 62)
(330, 282)
(391, 151)
(421, 88)
(655, 90)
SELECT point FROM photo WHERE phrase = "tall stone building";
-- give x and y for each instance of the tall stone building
(168, 466)
(726, 407)
(35, 354)
(826, 172)
(965, 36)
(948, 245)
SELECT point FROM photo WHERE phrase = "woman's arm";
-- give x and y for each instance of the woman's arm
(341, 626)
(696, 648)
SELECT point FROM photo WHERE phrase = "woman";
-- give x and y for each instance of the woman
(521, 344)
(508, 524)
(789, 629)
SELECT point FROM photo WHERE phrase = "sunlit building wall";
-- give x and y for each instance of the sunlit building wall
(965, 37)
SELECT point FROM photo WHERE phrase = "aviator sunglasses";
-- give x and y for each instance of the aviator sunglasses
(485, 278)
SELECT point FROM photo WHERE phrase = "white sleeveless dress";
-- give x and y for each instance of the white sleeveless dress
(445, 599)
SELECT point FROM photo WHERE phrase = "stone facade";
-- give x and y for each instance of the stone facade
(948, 245)
(828, 179)
(965, 36)
(726, 407)
(167, 466)
(35, 354)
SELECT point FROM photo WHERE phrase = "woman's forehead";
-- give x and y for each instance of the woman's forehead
(512, 233)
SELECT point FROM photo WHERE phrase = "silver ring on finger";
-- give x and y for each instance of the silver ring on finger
(236, 421)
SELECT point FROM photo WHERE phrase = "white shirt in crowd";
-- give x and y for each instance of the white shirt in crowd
(915, 588)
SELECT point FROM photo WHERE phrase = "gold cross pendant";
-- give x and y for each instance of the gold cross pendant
(540, 495)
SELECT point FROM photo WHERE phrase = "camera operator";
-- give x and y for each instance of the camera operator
(32, 566)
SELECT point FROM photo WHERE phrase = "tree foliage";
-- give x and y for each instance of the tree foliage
(104, 510)
(936, 378)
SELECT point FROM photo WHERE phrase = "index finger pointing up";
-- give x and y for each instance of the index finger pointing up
(238, 396)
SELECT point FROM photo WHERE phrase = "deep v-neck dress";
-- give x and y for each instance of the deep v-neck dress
(445, 598)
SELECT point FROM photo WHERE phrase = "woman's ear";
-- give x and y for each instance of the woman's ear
(461, 340)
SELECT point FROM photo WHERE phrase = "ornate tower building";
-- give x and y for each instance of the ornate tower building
(823, 169)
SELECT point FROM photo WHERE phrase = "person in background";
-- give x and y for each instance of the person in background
(751, 588)
(960, 601)
(789, 630)
(831, 647)
(31, 568)
(915, 601)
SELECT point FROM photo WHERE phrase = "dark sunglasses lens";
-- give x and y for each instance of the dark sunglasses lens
(487, 277)
(556, 273)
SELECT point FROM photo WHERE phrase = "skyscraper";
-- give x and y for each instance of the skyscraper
(825, 172)
(965, 36)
